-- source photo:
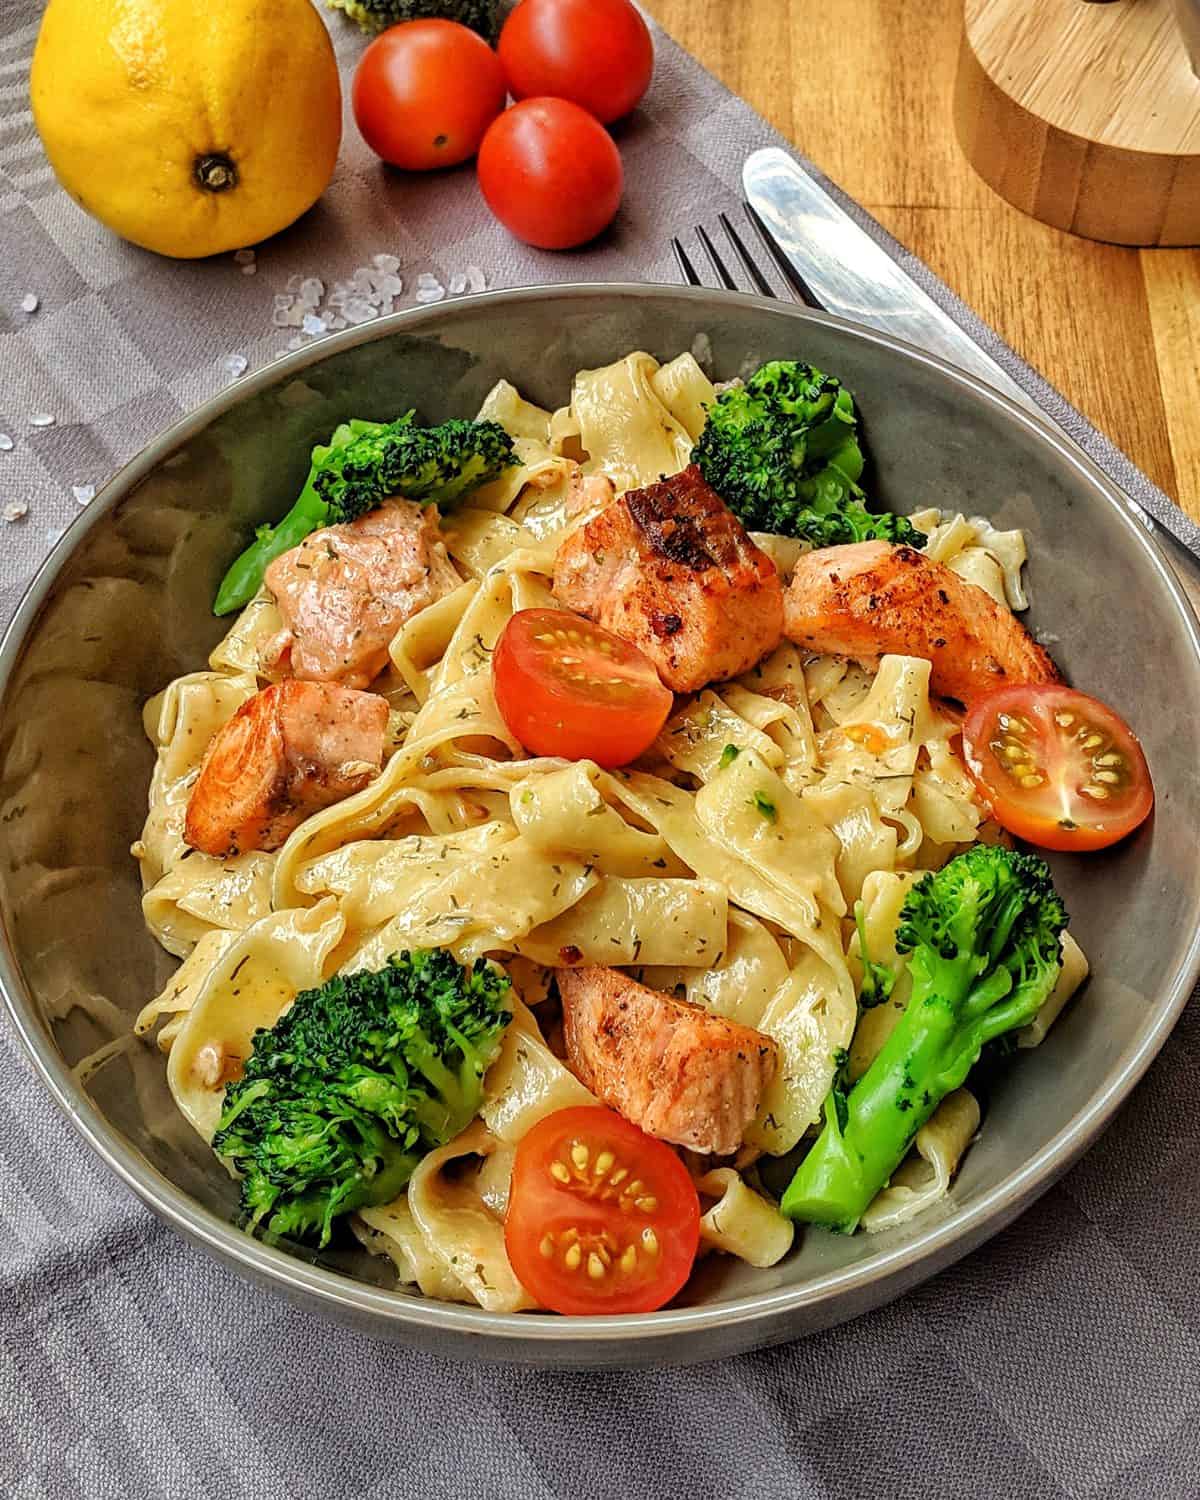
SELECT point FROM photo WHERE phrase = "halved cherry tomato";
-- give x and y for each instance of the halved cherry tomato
(567, 687)
(1060, 769)
(601, 1218)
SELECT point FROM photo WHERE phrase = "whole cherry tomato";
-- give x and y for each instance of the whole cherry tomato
(425, 92)
(597, 53)
(550, 173)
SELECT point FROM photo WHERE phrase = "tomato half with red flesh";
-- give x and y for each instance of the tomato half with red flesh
(601, 1217)
(568, 687)
(1060, 769)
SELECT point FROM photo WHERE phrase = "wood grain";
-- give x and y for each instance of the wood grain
(865, 90)
(1085, 116)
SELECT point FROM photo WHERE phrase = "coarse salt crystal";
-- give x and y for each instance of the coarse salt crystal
(337, 323)
(311, 291)
(427, 278)
(312, 324)
(41, 419)
(29, 302)
(6, 443)
(426, 294)
(296, 343)
(283, 301)
(282, 318)
(389, 263)
(16, 510)
(293, 283)
(458, 284)
(476, 280)
(244, 257)
(250, 270)
(358, 310)
(84, 493)
(362, 280)
(390, 286)
(235, 364)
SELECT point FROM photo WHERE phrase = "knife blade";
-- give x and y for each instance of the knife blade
(857, 279)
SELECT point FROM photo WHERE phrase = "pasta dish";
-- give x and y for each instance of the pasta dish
(592, 845)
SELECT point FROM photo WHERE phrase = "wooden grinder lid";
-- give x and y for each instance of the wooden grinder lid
(1086, 116)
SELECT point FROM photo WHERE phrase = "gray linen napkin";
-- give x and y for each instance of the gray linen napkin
(1060, 1360)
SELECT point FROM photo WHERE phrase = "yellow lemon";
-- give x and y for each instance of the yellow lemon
(188, 126)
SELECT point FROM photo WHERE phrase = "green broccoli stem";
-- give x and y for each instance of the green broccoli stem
(308, 514)
(934, 1046)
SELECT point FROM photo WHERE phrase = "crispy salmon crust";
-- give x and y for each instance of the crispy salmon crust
(289, 751)
(346, 590)
(871, 599)
(679, 1072)
(671, 569)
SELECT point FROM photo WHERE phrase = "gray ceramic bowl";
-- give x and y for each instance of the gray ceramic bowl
(122, 606)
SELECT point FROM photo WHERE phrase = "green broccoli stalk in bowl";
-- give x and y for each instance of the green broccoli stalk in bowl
(358, 469)
(782, 451)
(982, 935)
(482, 16)
(355, 1082)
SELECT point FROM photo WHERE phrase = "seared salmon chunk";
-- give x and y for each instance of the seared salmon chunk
(289, 751)
(346, 590)
(676, 1070)
(870, 599)
(671, 569)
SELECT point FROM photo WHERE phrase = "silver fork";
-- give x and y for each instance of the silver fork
(798, 289)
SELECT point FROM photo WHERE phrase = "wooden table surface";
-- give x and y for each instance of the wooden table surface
(864, 89)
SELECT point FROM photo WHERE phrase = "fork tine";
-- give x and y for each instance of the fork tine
(800, 288)
(686, 269)
(749, 265)
(718, 265)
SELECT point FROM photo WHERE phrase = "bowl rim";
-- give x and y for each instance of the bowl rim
(944, 1240)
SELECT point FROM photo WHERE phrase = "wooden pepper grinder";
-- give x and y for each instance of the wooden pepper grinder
(1086, 115)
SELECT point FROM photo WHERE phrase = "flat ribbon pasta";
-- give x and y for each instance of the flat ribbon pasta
(742, 1222)
(526, 1082)
(460, 1230)
(1074, 971)
(924, 1177)
(253, 982)
(625, 428)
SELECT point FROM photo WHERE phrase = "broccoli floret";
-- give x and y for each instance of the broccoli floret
(782, 451)
(373, 15)
(360, 467)
(982, 938)
(362, 1076)
(439, 464)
